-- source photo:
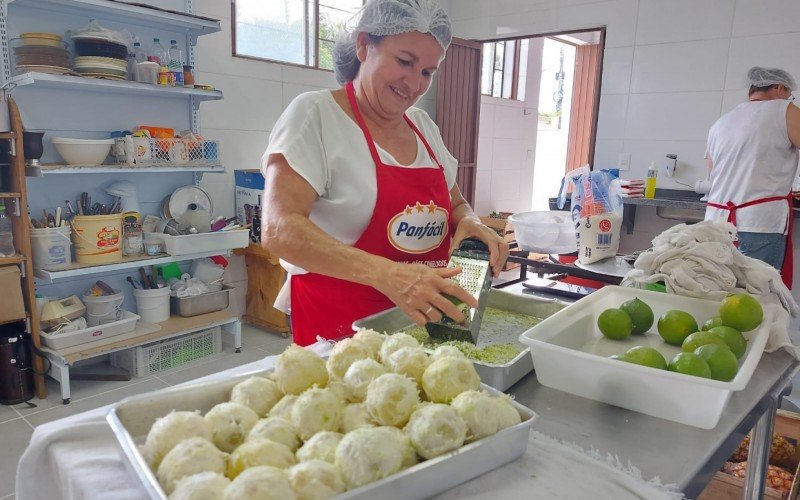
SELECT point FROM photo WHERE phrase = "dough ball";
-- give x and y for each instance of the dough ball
(316, 410)
(395, 342)
(170, 430)
(321, 446)
(203, 486)
(358, 377)
(275, 429)
(479, 411)
(338, 388)
(446, 378)
(260, 483)
(402, 442)
(436, 429)
(259, 452)
(365, 455)
(315, 480)
(408, 361)
(189, 457)
(391, 398)
(507, 415)
(258, 393)
(355, 415)
(297, 369)
(446, 351)
(373, 340)
(344, 354)
(230, 423)
(283, 409)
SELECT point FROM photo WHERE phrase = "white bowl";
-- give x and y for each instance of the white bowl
(545, 232)
(87, 152)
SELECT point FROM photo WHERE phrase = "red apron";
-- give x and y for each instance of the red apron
(787, 269)
(410, 223)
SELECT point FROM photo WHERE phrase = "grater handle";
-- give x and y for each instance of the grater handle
(473, 245)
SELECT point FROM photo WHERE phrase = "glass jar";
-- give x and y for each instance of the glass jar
(188, 77)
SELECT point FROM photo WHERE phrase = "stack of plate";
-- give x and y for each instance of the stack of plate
(101, 67)
(100, 56)
(40, 52)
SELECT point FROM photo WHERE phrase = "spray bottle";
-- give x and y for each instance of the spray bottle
(650, 183)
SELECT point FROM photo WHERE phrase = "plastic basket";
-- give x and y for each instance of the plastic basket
(147, 152)
(161, 356)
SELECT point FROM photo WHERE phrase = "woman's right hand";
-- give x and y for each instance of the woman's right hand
(418, 290)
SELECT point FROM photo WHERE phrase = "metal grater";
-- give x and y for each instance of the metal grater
(476, 278)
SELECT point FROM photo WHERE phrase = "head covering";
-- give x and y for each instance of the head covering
(764, 77)
(388, 17)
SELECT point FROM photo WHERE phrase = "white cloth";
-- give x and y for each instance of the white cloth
(753, 158)
(328, 149)
(79, 458)
(700, 260)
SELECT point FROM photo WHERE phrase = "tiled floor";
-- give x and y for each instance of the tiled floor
(17, 422)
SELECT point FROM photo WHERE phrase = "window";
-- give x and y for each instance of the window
(502, 74)
(298, 32)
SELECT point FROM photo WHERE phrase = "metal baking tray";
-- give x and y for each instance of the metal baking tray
(132, 418)
(200, 304)
(501, 377)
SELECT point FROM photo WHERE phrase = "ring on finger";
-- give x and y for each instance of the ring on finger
(429, 310)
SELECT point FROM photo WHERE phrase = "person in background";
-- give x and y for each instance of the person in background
(752, 162)
(361, 203)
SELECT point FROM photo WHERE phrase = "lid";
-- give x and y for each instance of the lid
(48, 36)
(187, 67)
(137, 44)
(156, 40)
(173, 41)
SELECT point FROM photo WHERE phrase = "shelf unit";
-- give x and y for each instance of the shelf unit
(17, 259)
(158, 100)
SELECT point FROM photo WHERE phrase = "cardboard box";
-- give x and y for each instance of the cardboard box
(727, 487)
(12, 307)
(249, 190)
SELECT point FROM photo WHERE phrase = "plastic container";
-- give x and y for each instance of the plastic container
(570, 354)
(200, 304)
(203, 242)
(103, 309)
(147, 72)
(84, 152)
(650, 182)
(52, 248)
(97, 238)
(161, 356)
(6, 235)
(545, 232)
(152, 304)
(126, 323)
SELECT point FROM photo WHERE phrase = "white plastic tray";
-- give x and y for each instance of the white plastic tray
(203, 242)
(91, 334)
(570, 354)
(132, 418)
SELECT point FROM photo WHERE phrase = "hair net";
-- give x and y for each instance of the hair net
(764, 77)
(388, 17)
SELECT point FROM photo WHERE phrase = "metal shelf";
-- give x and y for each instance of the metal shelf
(127, 13)
(68, 82)
(126, 263)
(117, 169)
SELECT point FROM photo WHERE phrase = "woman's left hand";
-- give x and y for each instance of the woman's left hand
(469, 227)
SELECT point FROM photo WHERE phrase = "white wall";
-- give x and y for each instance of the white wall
(256, 92)
(507, 145)
(670, 69)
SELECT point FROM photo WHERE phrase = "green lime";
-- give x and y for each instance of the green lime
(720, 359)
(741, 311)
(674, 326)
(711, 323)
(733, 338)
(690, 363)
(697, 339)
(640, 313)
(615, 324)
(646, 356)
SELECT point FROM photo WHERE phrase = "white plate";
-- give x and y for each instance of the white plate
(610, 267)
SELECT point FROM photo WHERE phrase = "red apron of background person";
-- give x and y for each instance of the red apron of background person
(787, 269)
(410, 223)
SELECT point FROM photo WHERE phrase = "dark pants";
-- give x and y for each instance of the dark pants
(769, 247)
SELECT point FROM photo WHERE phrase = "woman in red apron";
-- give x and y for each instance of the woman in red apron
(399, 257)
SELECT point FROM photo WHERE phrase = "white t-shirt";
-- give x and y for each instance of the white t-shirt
(753, 158)
(328, 149)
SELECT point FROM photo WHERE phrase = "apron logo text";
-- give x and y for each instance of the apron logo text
(418, 228)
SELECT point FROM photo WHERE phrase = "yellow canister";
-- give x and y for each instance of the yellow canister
(97, 238)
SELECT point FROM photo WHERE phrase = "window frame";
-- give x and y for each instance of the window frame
(314, 12)
(514, 71)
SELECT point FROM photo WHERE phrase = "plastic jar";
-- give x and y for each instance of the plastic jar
(188, 77)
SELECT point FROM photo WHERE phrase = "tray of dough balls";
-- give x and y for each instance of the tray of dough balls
(343, 426)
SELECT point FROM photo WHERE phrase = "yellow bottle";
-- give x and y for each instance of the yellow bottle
(650, 183)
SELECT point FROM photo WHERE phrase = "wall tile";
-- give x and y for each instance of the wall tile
(483, 186)
(675, 67)
(308, 76)
(731, 99)
(759, 18)
(485, 149)
(617, 65)
(249, 104)
(619, 17)
(606, 153)
(509, 121)
(772, 51)
(507, 154)
(611, 116)
(217, 9)
(292, 90)
(505, 189)
(691, 164)
(679, 20)
(672, 116)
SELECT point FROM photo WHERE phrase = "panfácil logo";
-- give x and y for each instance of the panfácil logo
(418, 228)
